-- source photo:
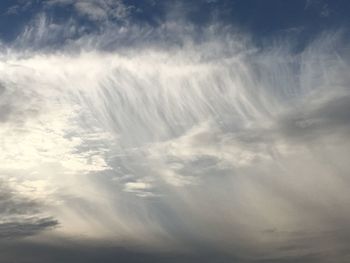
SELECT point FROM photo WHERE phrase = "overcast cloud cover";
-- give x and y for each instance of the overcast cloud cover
(174, 131)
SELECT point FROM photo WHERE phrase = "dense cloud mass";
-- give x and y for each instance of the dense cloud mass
(175, 141)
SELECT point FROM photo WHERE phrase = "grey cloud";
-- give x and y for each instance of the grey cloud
(308, 246)
(5, 111)
(307, 123)
(300, 250)
(26, 227)
(75, 252)
(21, 217)
(2, 88)
(310, 123)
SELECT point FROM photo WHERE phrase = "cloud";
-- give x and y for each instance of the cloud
(19, 7)
(140, 188)
(201, 145)
(94, 252)
(20, 216)
(26, 228)
(329, 118)
(97, 10)
(319, 6)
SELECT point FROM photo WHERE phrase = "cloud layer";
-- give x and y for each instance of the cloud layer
(174, 143)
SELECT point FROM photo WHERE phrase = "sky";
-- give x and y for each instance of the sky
(168, 131)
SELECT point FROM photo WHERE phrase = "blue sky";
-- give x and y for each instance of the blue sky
(263, 18)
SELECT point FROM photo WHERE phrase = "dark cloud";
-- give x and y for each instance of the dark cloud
(21, 217)
(301, 251)
(26, 227)
(75, 252)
